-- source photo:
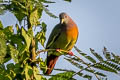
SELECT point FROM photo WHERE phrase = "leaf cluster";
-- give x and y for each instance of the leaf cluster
(20, 43)
(95, 64)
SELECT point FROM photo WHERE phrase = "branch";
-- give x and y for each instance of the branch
(45, 50)
(33, 49)
(64, 70)
(88, 66)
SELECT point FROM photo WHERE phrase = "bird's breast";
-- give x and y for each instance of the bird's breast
(72, 32)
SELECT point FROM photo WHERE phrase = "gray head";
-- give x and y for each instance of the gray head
(64, 18)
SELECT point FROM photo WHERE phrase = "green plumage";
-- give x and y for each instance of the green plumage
(63, 36)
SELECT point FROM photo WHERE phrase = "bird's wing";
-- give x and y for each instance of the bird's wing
(53, 36)
(51, 59)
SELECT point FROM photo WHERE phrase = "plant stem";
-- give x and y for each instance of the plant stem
(32, 46)
(33, 49)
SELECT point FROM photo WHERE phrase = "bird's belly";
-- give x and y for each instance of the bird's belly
(65, 42)
(66, 39)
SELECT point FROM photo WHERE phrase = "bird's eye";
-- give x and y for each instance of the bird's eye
(65, 16)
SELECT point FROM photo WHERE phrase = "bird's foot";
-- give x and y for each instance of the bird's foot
(70, 53)
(58, 50)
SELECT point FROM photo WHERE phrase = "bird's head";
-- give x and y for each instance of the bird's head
(64, 18)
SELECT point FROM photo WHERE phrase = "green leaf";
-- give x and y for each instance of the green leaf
(80, 74)
(106, 54)
(62, 76)
(2, 8)
(2, 68)
(18, 69)
(49, 13)
(26, 72)
(74, 63)
(115, 61)
(27, 39)
(36, 72)
(14, 53)
(3, 47)
(18, 29)
(19, 16)
(116, 58)
(77, 59)
(7, 77)
(44, 27)
(88, 77)
(10, 66)
(40, 36)
(64, 70)
(42, 65)
(10, 69)
(46, 1)
(18, 9)
(40, 10)
(84, 75)
(93, 71)
(79, 51)
(4, 73)
(101, 74)
(8, 31)
(1, 26)
(17, 39)
(90, 70)
(112, 65)
(96, 55)
(29, 71)
(85, 55)
(104, 67)
(68, 0)
(34, 18)
(91, 59)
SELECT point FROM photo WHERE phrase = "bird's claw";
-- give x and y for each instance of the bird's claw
(58, 50)
(70, 53)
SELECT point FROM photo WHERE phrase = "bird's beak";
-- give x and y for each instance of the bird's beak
(62, 20)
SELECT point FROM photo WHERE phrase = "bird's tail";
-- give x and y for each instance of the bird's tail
(51, 61)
